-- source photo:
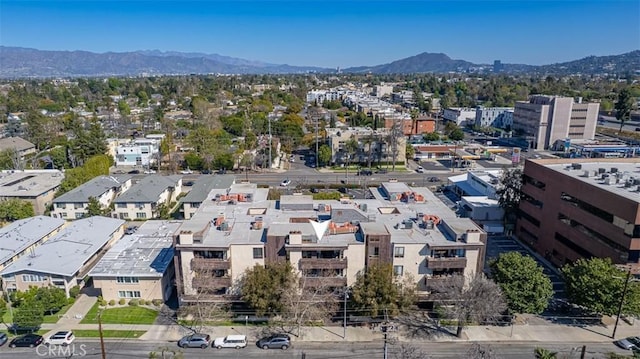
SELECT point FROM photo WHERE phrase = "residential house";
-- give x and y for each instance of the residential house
(73, 204)
(139, 265)
(35, 186)
(140, 152)
(143, 199)
(19, 237)
(66, 258)
(21, 146)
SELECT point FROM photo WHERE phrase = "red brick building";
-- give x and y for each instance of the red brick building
(416, 126)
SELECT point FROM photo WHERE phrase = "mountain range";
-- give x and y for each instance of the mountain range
(17, 62)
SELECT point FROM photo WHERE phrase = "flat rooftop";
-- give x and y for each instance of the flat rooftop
(619, 177)
(28, 183)
(16, 237)
(146, 253)
(65, 253)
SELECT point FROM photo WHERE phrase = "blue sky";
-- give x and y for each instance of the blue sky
(331, 33)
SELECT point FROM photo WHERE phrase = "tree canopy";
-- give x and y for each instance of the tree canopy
(525, 286)
(623, 106)
(597, 284)
(376, 291)
(264, 287)
(15, 209)
(509, 190)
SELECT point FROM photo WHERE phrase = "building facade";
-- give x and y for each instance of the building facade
(144, 198)
(581, 209)
(73, 204)
(460, 116)
(141, 152)
(373, 145)
(37, 187)
(497, 117)
(544, 120)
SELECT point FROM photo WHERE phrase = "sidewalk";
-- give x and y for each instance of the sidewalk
(517, 333)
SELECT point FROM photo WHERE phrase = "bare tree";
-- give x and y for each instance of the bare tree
(470, 300)
(408, 351)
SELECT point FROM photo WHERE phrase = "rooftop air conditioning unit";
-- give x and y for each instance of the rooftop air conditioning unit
(614, 170)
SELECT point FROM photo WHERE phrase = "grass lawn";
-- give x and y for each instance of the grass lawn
(11, 335)
(121, 315)
(7, 317)
(53, 318)
(127, 334)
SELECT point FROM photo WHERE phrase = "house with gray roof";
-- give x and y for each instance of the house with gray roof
(20, 237)
(190, 203)
(35, 186)
(143, 199)
(139, 265)
(66, 258)
(73, 204)
(18, 144)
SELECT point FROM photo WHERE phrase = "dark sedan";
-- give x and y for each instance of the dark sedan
(27, 340)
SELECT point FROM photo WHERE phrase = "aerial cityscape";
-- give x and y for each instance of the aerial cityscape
(302, 179)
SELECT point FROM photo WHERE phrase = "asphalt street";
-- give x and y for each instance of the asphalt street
(337, 350)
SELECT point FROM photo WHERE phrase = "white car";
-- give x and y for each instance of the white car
(420, 169)
(285, 183)
(148, 172)
(186, 172)
(230, 341)
(63, 338)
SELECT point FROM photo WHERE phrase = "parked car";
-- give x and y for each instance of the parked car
(206, 172)
(197, 340)
(434, 179)
(285, 183)
(187, 171)
(131, 230)
(277, 341)
(628, 343)
(420, 169)
(148, 172)
(63, 338)
(365, 173)
(134, 172)
(27, 340)
(3, 338)
(230, 341)
(189, 183)
(314, 190)
(382, 171)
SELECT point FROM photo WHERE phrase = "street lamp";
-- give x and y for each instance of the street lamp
(344, 315)
(624, 294)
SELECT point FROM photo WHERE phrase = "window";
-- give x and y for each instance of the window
(79, 215)
(127, 280)
(398, 270)
(60, 205)
(64, 214)
(376, 251)
(257, 253)
(141, 215)
(33, 278)
(398, 252)
(122, 205)
(129, 294)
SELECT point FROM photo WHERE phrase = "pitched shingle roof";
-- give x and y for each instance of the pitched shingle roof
(148, 189)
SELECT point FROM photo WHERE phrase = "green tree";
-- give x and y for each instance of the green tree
(29, 315)
(431, 136)
(597, 284)
(3, 309)
(193, 161)
(525, 286)
(94, 208)
(51, 298)
(509, 192)
(324, 155)
(376, 291)
(93, 167)
(15, 209)
(623, 106)
(123, 108)
(410, 151)
(457, 134)
(163, 211)
(264, 287)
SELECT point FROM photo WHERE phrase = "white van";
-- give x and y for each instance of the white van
(231, 341)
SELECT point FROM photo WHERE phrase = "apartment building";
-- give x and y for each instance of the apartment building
(327, 242)
(200, 190)
(139, 265)
(66, 258)
(139, 152)
(581, 209)
(143, 199)
(497, 117)
(460, 116)
(73, 204)
(35, 186)
(417, 126)
(373, 145)
(546, 120)
(21, 146)
(20, 237)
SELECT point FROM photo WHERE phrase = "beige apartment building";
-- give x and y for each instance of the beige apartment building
(73, 204)
(547, 121)
(373, 145)
(327, 242)
(66, 258)
(139, 265)
(141, 201)
(37, 187)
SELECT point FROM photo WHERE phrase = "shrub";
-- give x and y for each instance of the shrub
(112, 302)
(157, 302)
(103, 303)
(122, 301)
(74, 291)
(70, 300)
(134, 302)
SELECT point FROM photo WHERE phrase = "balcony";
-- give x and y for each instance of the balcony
(446, 262)
(211, 282)
(322, 263)
(436, 281)
(325, 281)
(199, 264)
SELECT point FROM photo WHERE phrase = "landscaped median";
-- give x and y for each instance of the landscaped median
(120, 315)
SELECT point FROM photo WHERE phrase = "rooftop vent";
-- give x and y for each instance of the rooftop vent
(614, 170)
(576, 166)
(602, 170)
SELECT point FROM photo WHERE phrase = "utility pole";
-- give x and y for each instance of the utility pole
(344, 316)
(624, 294)
(317, 120)
(583, 352)
(269, 142)
(102, 350)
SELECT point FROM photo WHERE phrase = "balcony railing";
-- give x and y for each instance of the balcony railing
(436, 280)
(322, 263)
(325, 281)
(211, 282)
(210, 264)
(446, 262)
